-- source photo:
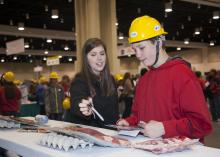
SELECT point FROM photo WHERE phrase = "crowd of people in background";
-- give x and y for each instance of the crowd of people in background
(44, 91)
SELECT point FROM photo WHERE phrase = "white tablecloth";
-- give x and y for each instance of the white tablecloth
(26, 144)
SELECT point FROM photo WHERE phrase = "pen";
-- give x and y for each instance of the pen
(95, 111)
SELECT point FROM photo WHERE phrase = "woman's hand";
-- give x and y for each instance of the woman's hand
(85, 108)
(152, 129)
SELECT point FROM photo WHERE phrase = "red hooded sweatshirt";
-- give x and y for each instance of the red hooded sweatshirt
(172, 95)
(9, 105)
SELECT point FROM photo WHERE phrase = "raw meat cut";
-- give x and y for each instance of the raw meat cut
(93, 136)
(160, 146)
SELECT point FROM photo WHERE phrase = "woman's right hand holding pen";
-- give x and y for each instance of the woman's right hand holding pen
(84, 107)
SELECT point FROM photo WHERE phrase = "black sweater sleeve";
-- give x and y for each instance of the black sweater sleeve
(79, 90)
(107, 106)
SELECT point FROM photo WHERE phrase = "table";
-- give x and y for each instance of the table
(26, 144)
(30, 109)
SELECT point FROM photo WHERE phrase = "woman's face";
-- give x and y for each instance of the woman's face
(97, 59)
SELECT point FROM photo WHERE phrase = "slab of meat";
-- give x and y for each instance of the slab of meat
(94, 136)
(160, 146)
(18, 120)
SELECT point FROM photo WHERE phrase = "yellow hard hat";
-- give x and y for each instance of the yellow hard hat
(118, 77)
(54, 75)
(34, 81)
(42, 79)
(9, 76)
(143, 28)
(66, 103)
(17, 82)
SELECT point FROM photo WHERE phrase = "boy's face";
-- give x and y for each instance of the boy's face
(145, 51)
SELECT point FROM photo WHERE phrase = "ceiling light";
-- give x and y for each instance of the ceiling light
(197, 31)
(177, 33)
(27, 16)
(44, 58)
(60, 56)
(66, 48)
(29, 55)
(1, 1)
(70, 59)
(31, 61)
(211, 43)
(199, 6)
(116, 23)
(182, 26)
(2, 60)
(165, 15)
(129, 55)
(46, 52)
(46, 8)
(215, 15)
(168, 7)
(69, 1)
(186, 41)
(189, 18)
(49, 40)
(26, 45)
(54, 14)
(178, 48)
(15, 58)
(61, 20)
(138, 10)
(20, 26)
(120, 36)
(11, 23)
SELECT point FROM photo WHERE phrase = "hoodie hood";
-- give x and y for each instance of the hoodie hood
(172, 61)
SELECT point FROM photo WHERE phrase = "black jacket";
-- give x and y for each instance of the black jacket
(106, 106)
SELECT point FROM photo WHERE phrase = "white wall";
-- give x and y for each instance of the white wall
(195, 57)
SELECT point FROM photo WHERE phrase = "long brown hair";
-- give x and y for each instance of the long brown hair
(106, 80)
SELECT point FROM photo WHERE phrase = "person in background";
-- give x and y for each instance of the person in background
(32, 90)
(54, 96)
(215, 90)
(40, 94)
(128, 94)
(201, 81)
(65, 83)
(168, 100)
(94, 84)
(10, 95)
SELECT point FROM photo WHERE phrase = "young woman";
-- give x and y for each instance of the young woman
(94, 84)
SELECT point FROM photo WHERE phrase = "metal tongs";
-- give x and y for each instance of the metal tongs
(94, 111)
